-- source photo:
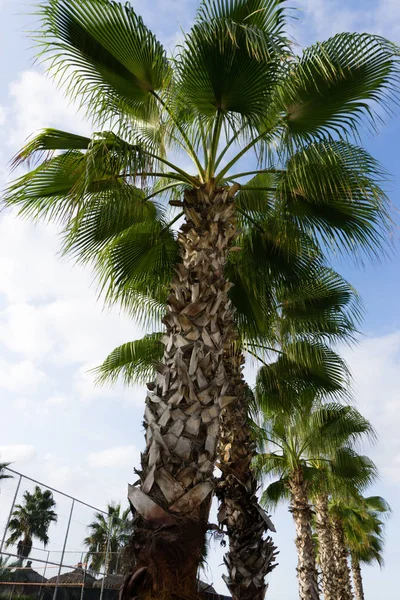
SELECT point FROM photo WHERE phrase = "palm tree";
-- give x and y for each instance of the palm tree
(234, 85)
(299, 441)
(357, 532)
(31, 519)
(322, 306)
(108, 536)
(4, 475)
(347, 476)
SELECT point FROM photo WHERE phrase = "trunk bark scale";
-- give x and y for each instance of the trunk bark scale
(326, 548)
(251, 551)
(302, 515)
(357, 579)
(344, 591)
(172, 498)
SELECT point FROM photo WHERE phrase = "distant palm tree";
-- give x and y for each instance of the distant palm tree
(4, 475)
(359, 526)
(113, 532)
(32, 519)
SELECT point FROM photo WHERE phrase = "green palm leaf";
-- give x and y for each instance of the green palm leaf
(134, 361)
(336, 83)
(106, 55)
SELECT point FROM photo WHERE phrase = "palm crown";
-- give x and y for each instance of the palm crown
(32, 519)
(110, 534)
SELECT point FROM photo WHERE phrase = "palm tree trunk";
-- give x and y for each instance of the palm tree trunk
(344, 591)
(171, 501)
(326, 548)
(251, 552)
(24, 547)
(306, 560)
(357, 579)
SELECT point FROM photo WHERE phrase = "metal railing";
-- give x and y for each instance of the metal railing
(64, 562)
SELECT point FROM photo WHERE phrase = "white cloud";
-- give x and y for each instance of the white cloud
(2, 115)
(57, 400)
(17, 453)
(37, 103)
(20, 377)
(120, 456)
(375, 365)
(320, 19)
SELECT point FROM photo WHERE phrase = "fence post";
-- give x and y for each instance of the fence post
(63, 550)
(44, 572)
(10, 513)
(107, 553)
(84, 566)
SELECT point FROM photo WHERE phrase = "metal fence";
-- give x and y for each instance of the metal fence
(47, 572)
(62, 569)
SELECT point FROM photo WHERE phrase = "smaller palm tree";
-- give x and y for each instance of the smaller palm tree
(299, 441)
(32, 519)
(363, 532)
(108, 536)
(4, 475)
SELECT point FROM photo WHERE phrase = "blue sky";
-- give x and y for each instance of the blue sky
(56, 425)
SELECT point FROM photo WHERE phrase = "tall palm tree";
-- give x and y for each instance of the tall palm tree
(357, 529)
(341, 478)
(107, 537)
(30, 520)
(234, 85)
(299, 440)
(319, 306)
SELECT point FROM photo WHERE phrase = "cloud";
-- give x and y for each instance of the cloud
(375, 365)
(17, 453)
(21, 377)
(37, 103)
(119, 456)
(319, 19)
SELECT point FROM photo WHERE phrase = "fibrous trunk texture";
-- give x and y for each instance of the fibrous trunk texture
(251, 551)
(171, 501)
(357, 579)
(24, 546)
(343, 580)
(326, 548)
(306, 559)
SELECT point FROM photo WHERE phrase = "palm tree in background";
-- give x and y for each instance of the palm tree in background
(107, 537)
(299, 441)
(234, 90)
(3, 474)
(357, 531)
(30, 520)
(346, 477)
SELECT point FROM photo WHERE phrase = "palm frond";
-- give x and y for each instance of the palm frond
(338, 82)
(230, 58)
(105, 55)
(133, 362)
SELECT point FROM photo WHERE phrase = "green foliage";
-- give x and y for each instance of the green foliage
(32, 519)
(134, 361)
(362, 519)
(333, 84)
(105, 55)
(112, 532)
(3, 473)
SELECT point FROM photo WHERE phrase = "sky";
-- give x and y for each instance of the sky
(56, 425)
